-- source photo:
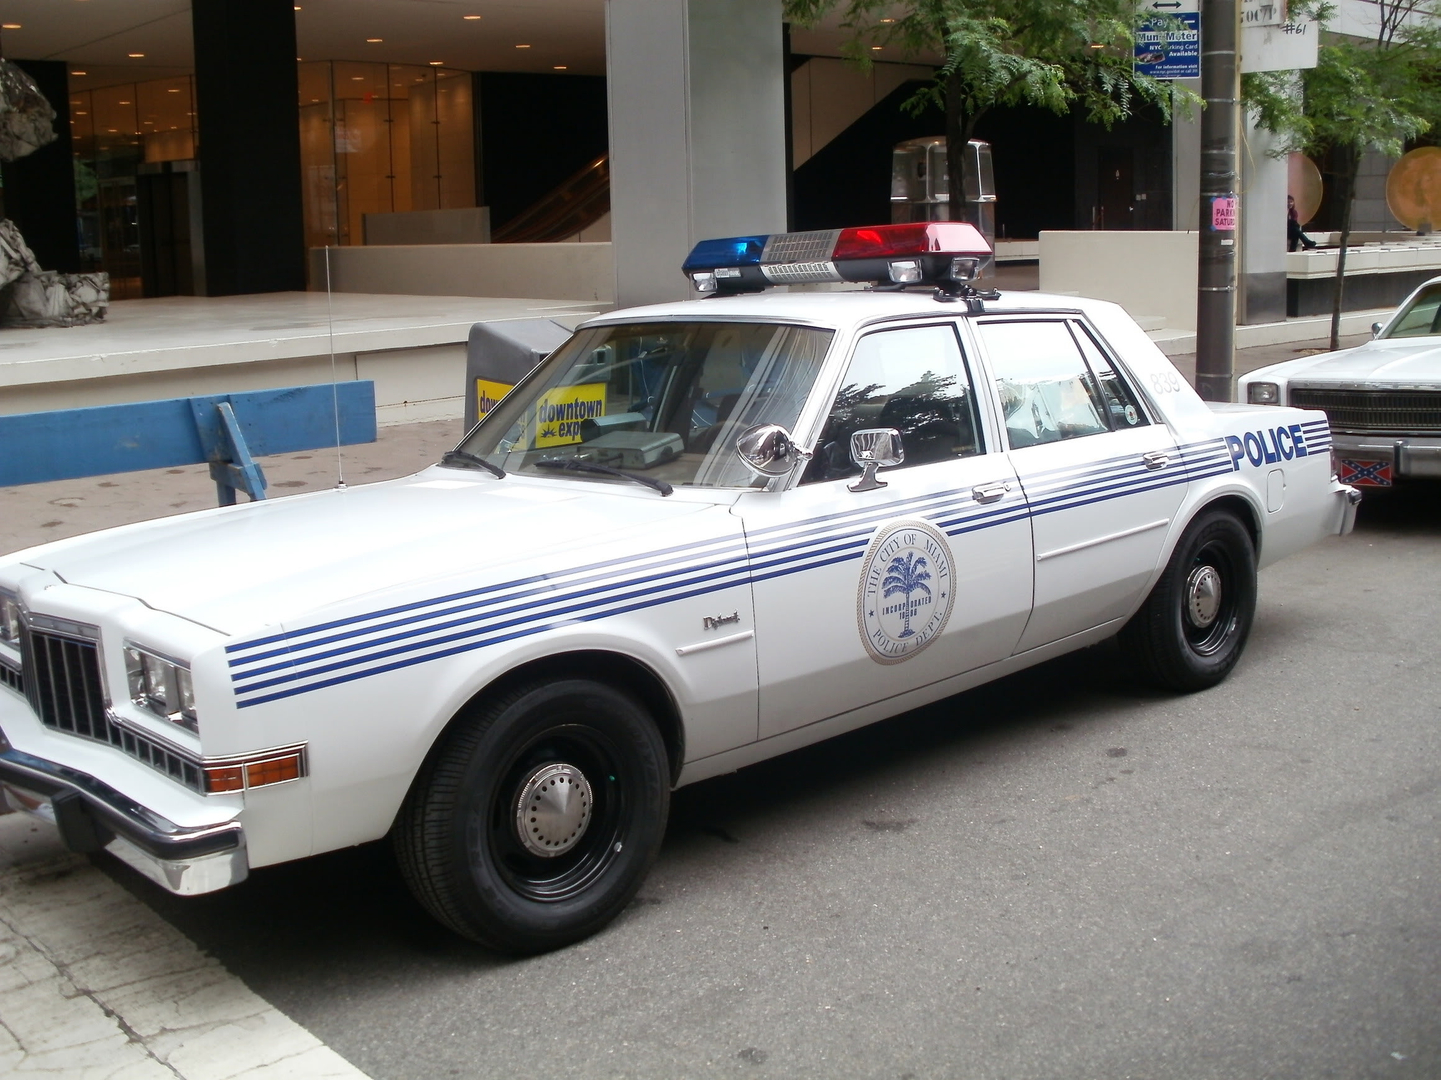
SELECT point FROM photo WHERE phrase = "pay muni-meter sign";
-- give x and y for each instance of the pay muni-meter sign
(1168, 41)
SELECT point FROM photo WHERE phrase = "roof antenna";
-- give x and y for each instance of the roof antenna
(334, 388)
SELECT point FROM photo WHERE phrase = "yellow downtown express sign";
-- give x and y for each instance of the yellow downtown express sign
(556, 418)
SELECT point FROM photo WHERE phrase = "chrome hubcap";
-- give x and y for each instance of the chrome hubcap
(1203, 596)
(553, 810)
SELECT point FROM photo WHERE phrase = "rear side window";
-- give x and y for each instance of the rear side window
(1055, 382)
(1120, 402)
(1047, 391)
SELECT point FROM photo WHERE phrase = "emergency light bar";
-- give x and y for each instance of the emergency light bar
(943, 253)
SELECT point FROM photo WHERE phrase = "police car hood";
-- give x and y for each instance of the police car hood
(259, 564)
(1384, 363)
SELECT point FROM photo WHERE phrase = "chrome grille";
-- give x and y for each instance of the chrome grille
(1382, 411)
(11, 677)
(66, 692)
(65, 686)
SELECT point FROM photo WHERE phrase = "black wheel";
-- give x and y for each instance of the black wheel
(1189, 633)
(536, 821)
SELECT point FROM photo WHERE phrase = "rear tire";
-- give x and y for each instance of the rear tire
(1191, 630)
(537, 818)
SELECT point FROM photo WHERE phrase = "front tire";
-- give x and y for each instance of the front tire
(1191, 630)
(537, 818)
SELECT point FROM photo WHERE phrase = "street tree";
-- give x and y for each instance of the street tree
(1054, 54)
(1375, 93)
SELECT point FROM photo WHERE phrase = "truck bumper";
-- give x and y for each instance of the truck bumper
(1405, 455)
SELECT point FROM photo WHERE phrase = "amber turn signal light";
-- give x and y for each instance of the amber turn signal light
(255, 770)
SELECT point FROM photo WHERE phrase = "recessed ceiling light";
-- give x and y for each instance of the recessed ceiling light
(135, 55)
(173, 90)
(470, 18)
(357, 78)
(80, 73)
(122, 103)
(560, 67)
(436, 63)
(81, 112)
(112, 131)
(374, 40)
(522, 46)
(315, 101)
(875, 48)
(11, 26)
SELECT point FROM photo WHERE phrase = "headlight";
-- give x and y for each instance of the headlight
(161, 686)
(1263, 393)
(9, 620)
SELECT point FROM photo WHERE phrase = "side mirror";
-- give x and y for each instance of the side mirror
(1376, 329)
(872, 449)
(769, 450)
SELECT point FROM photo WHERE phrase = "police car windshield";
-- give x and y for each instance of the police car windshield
(666, 399)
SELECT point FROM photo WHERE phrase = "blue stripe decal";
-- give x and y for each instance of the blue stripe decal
(343, 650)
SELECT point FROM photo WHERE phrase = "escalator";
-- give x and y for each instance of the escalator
(578, 203)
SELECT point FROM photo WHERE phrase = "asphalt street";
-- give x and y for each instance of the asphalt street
(1057, 875)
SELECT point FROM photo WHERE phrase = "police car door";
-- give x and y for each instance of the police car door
(1103, 478)
(863, 592)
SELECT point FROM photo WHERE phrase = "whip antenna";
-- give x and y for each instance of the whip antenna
(334, 388)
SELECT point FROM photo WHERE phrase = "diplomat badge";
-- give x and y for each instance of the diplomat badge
(906, 590)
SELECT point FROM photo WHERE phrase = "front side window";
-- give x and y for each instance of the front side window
(664, 399)
(912, 379)
(1047, 391)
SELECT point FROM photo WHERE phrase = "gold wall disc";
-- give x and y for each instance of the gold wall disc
(1413, 189)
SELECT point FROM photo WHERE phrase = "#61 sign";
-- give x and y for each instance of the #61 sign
(1168, 44)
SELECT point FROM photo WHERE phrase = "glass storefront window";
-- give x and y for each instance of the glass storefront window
(114, 129)
(380, 138)
(374, 138)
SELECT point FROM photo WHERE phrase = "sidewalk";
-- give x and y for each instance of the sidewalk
(93, 984)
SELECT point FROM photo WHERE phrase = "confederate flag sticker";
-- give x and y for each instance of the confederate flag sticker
(1364, 473)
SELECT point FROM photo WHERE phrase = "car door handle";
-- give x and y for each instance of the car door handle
(985, 493)
(1156, 459)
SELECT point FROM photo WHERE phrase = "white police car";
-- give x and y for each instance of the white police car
(698, 535)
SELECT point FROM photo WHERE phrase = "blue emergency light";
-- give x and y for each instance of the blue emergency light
(947, 254)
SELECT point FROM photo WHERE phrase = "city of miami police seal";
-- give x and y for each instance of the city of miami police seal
(906, 593)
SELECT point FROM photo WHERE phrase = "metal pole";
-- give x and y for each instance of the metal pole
(1216, 269)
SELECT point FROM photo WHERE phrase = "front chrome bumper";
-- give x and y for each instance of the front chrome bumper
(93, 816)
(1407, 455)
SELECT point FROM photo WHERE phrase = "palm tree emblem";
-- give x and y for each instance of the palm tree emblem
(906, 575)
